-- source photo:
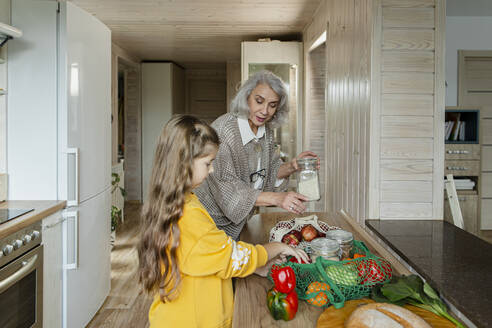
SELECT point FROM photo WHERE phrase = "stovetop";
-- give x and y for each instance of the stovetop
(7, 214)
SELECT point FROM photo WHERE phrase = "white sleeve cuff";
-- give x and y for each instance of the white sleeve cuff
(278, 182)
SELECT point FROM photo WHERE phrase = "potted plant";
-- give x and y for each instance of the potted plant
(116, 213)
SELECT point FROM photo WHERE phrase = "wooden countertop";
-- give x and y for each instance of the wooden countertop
(42, 209)
(250, 308)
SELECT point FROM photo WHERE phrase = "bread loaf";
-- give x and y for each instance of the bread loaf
(383, 315)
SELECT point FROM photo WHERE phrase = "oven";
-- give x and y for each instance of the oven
(21, 279)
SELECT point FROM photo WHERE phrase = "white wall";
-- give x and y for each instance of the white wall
(463, 33)
(156, 111)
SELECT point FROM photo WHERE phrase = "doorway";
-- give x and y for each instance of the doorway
(315, 115)
(475, 89)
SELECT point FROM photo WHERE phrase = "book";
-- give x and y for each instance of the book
(462, 131)
(456, 131)
(449, 129)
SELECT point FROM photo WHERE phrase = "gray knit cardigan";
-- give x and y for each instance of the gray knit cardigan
(227, 193)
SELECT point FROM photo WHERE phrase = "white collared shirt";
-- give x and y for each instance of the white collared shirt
(247, 135)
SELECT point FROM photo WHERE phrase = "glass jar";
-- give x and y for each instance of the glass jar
(307, 178)
(326, 248)
(344, 238)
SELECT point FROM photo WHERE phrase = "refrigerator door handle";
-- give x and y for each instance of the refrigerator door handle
(66, 216)
(74, 202)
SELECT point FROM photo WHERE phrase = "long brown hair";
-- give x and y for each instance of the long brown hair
(183, 139)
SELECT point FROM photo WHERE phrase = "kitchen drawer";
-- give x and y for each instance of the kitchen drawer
(486, 185)
(469, 151)
(469, 208)
(462, 168)
(486, 213)
(486, 128)
(487, 158)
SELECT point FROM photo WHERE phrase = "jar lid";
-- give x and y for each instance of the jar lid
(341, 236)
(307, 160)
(325, 245)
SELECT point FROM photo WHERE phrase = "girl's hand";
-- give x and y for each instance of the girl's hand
(299, 254)
(291, 201)
(263, 271)
(304, 154)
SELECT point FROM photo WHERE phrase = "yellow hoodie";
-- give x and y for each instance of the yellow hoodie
(207, 259)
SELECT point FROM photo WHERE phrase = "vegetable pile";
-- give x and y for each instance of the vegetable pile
(412, 290)
(282, 299)
(307, 233)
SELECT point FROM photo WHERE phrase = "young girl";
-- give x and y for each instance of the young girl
(183, 258)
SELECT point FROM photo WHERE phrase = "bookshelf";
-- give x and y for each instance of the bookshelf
(462, 160)
(462, 126)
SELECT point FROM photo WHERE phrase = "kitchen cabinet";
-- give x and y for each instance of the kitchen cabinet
(52, 270)
(469, 211)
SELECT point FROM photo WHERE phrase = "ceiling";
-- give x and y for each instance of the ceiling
(198, 31)
(468, 7)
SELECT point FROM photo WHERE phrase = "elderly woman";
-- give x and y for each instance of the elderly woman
(247, 170)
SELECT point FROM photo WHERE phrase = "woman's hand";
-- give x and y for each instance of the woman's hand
(288, 168)
(291, 201)
(304, 154)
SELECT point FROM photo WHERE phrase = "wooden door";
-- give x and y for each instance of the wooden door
(475, 89)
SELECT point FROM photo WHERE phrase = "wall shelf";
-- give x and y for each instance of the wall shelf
(462, 126)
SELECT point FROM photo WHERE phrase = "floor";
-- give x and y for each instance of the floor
(126, 305)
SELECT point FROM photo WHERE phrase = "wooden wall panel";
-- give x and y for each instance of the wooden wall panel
(347, 105)
(411, 148)
(404, 104)
(406, 191)
(410, 83)
(408, 39)
(408, 17)
(315, 114)
(406, 210)
(408, 3)
(415, 170)
(411, 119)
(407, 127)
(206, 92)
(408, 61)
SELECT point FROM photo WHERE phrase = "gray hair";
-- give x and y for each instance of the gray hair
(239, 105)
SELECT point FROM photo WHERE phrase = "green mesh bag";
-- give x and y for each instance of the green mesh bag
(348, 280)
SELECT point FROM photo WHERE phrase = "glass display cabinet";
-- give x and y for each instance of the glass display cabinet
(285, 60)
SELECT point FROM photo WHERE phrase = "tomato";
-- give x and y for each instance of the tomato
(294, 260)
(284, 278)
(371, 272)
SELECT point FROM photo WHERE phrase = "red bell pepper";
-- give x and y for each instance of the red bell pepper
(371, 272)
(281, 305)
(284, 278)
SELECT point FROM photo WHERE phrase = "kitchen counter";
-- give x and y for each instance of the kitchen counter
(250, 309)
(453, 261)
(42, 209)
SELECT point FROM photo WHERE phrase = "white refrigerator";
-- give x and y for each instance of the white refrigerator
(59, 138)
